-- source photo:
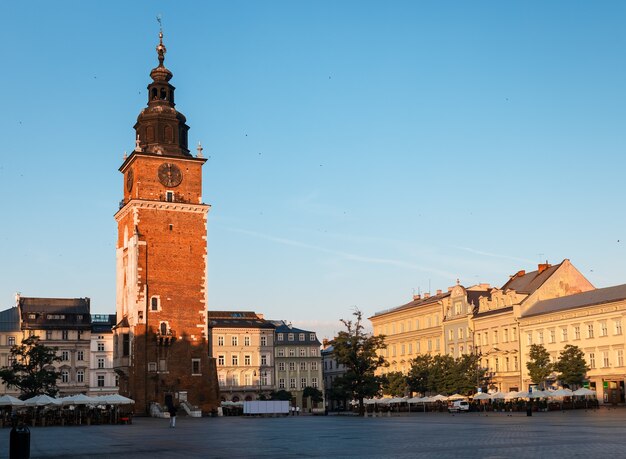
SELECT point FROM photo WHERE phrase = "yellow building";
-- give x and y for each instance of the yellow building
(495, 324)
(593, 321)
(411, 329)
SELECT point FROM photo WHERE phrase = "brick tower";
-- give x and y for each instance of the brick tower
(161, 348)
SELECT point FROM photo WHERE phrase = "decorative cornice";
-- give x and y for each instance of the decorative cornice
(161, 205)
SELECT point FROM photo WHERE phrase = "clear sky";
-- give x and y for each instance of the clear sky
(358, 151)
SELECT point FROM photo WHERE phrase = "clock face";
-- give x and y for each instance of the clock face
(129, 179)
(170, 175)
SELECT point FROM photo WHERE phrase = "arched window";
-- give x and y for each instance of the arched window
(163, 328)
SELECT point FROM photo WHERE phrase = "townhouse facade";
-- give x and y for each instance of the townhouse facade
(298, 362)
(102, 377)
(10, 335)
(332, 370)
(554, 305)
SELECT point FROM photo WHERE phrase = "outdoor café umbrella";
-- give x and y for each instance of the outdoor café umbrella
(583, 391)
(497, 396)
(8, 400)
(537, 394)
(511, 395)
(561, 393)
(438, 398)
(80, 399)
(41, 400)
(457, 397)
(117, 399)
(481, 396)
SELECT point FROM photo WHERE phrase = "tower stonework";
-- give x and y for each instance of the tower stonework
(161, 338)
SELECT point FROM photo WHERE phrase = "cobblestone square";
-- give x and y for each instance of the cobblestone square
(572, 434)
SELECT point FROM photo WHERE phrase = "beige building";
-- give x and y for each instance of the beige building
(411, 329)
(495, 324)
(242, 342)
(460, 306)
(594, 322)
(102, 377)
(10, 335)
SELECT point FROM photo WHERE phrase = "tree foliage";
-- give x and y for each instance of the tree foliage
(358, 352)
(445, 374)
(539, 365)
(280, 395)
(572, 366)
(394, 384)
(313, 392)
(30, 368)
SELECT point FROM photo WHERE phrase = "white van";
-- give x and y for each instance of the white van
(458, 406)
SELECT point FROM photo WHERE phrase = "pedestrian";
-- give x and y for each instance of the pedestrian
(172, 410)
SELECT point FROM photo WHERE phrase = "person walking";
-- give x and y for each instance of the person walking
(172, 410)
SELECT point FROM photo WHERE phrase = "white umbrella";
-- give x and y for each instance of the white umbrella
(80, 399)
(457, 397)
(438, 398)
(522, 394)
(9, 400)
(496, 396)
(117, 399)
(41, 400)
(511, 395)
(561, 393)
(584, 391)
(537, 394)
(481, 396)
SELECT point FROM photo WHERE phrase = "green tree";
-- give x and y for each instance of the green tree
(358, 352)
(419, 374)
(572, 366)
(314, 394)
(394, 384)
(31, 369)
(280, 395)
(539, 365)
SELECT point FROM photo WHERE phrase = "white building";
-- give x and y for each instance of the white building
(102, 377)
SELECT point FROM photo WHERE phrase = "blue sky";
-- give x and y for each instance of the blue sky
(358, 151)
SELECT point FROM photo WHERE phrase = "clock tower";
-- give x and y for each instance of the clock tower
(161, 349)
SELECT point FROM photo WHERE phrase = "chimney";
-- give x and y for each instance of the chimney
(260, 316)
(325, 342)
(541, 267)
(520, 273)
(426, 295)
(417, 297)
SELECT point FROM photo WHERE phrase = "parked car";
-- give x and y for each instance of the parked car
(458, 406)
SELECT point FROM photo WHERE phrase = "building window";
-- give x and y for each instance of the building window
(301, 337)
(152, 367)
(100, 347)
(515, 363)
(603, 329)
(605, 359)
(64, 335)
(312, 336)
(80, 376)
(235, 360)
(302, 366)
(292, 352)
(505, 335)
(80, 356)
(281, 366)
(246, 340)
(11, 340)
(281, 383)
(302, 383)
(577, 332)
(221, 359)
(281, 352)
(154, 303)
(430, 344)
(592, 360)
(162, 365)
(79, 335)
(618, 327)
(290, 337)
(314, 351)
(247, 379)
(495, 337)
(529, 338)
(247, 359)
(125, 345)
(65, 356)
(450, 335)
(292, 366)
(620, 357)
(169, 196)
(589, 330)
(506, 364)
(195, 366)
(222, 379)
(263, 340)
(553, 336)
(220, 340)
(280, 336)
(563, 334)
(235, 380)
(263, 359)
(100, 362)
(48, 334)
(234, 341)
(292, 383)
(65, 376)
(100, 380)
(303, 352)
(485, 339)
(314, 366)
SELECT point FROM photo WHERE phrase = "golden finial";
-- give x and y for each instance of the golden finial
(161, 50)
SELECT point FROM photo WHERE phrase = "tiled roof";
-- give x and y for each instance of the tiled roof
(237, 319)
(55, 305)
(529, 282)
(414, 304)
(287, 330)
(10, 320)
(579, 300)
